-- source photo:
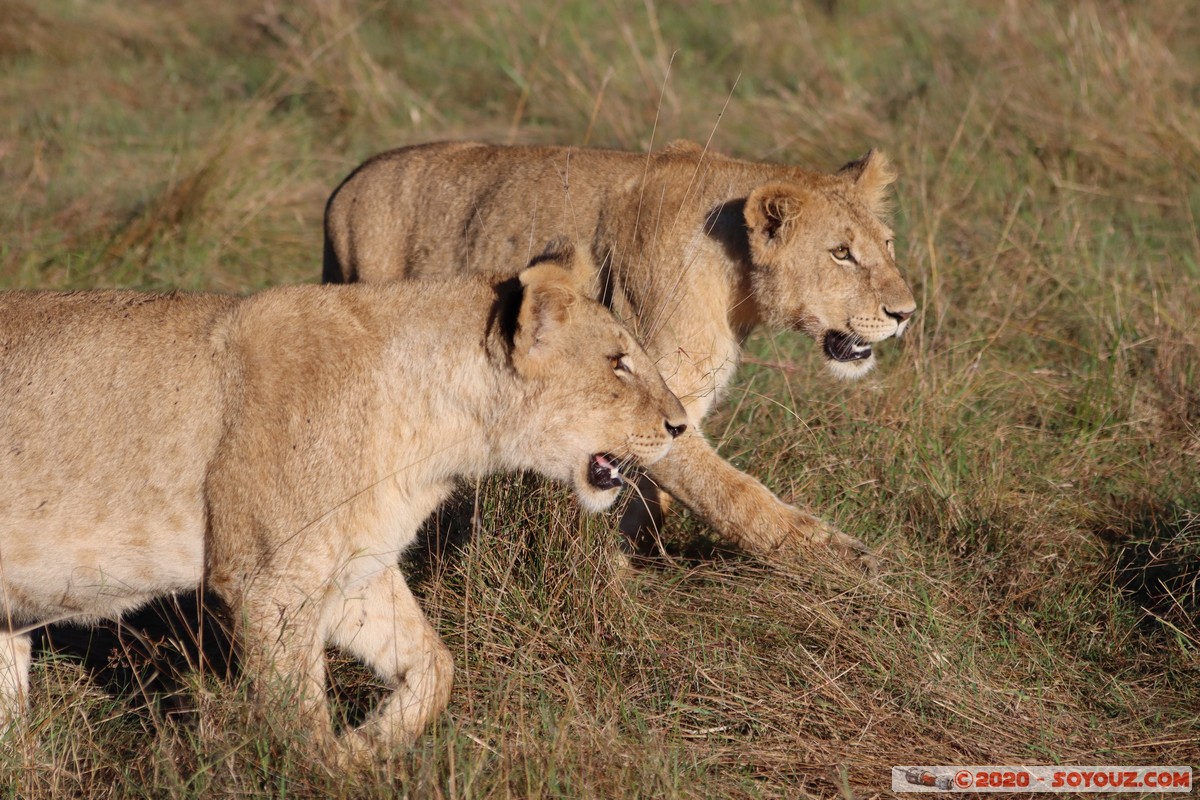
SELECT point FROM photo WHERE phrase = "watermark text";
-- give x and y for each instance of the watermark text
(1041, 779)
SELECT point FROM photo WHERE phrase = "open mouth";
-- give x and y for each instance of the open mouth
(845, 347)
(604, 472)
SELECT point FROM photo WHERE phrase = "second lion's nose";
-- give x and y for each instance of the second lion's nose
(675, 430)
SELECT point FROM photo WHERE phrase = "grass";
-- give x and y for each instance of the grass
(1025, 461)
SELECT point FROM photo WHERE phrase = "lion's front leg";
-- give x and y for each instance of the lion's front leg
(283, 654)
(741, 509)
(16, 655)
(380, 623)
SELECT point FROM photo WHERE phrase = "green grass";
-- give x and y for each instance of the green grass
(1024, 462)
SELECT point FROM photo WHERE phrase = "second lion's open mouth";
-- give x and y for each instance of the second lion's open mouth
(845, 347)
(604, 472)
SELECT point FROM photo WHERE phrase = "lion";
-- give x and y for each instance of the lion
(695, 251)
(282, 448)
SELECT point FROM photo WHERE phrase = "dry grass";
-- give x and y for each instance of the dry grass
(1025, 462)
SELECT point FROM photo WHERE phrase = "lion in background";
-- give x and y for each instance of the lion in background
(695, 251)
(283, 448)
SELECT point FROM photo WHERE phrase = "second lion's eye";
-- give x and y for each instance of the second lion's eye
(841, 253)
(619, 363)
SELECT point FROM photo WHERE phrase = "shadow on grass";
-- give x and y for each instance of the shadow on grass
(1156, 563)
(149, 655)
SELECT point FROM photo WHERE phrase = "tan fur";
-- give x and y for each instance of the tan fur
(696, 249)
(284, 447)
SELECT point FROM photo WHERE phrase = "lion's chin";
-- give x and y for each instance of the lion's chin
(595, 500)
(850, 370)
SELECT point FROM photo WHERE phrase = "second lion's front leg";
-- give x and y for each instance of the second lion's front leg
(744, 511)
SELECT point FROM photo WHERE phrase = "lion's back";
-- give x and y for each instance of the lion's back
(109, 410)
(454, 207)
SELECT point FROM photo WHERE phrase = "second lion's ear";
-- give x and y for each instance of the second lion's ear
(872, 175)
(772, 213)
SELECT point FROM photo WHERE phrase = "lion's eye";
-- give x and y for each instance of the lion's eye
(619, 363)
(841, 253)
(891, 246)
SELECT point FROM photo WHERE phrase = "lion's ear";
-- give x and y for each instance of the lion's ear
(548, 293)
(772, 213)
(872, 175)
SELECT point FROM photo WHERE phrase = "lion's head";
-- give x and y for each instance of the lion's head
(597, 405)
(823, 262)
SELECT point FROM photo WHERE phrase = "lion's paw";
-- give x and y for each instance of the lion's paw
(814, 531)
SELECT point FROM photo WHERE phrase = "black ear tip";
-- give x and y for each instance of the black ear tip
(559, 249)
(854, 168)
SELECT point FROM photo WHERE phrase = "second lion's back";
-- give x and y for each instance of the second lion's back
(454, 208)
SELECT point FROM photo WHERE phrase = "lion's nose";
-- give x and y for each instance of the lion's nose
(675, 430)
(899, 314)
